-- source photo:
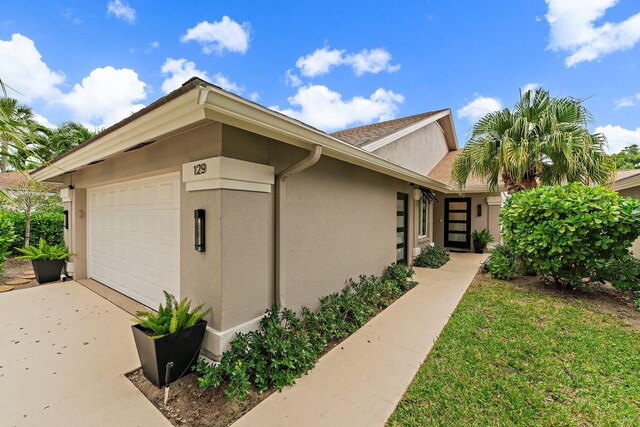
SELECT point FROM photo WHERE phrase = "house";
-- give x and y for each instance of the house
(213, 197)
(628, 184)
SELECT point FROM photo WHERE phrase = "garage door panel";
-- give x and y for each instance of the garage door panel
(134, 235)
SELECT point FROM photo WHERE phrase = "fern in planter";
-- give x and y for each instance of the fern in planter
(174, 316)
(44, 252)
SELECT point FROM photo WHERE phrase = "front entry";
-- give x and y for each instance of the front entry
(401, 228)
(457, 222)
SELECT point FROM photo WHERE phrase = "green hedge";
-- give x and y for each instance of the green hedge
(568, 233)
(49, 226)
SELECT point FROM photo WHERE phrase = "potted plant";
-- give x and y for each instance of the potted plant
(169, 341)
(480, 240)
(48, 260)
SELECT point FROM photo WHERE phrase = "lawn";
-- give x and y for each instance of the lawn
(527, 356)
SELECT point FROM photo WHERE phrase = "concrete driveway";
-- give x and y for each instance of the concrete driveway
(63, 353)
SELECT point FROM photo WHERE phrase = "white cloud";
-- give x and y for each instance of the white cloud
(479, 107)
(178, 71)
(619, 137)
(321, 61)
(574, 30)
(154, 44)
(627, 101)
(43, 121)
(226, 84)
(323, 108)
(530, 86)
(23, 69)
(106, 96)
(254, 96)
(121, 10)
(219, 36)
(292, 79)
(371, 61)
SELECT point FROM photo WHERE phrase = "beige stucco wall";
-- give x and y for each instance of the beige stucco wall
(487, 220)
(340, 222)
(419, 151)
(635, 193)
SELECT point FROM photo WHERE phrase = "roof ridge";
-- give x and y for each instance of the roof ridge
(391, 120)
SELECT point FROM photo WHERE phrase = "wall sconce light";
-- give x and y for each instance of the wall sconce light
(66, 219)
(198, 216)
(479, 209)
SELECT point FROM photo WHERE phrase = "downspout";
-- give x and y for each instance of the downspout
(310, 160)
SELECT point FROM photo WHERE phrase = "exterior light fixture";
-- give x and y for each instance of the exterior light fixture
(479, 209)
(66, 219)
(198, 216)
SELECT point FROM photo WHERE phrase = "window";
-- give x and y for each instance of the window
(423, 217)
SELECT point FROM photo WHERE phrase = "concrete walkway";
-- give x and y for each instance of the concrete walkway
(63, 352)
(360, 382)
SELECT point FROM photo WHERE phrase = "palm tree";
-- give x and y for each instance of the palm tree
(542, 140)
(16, 125)
(65, 137)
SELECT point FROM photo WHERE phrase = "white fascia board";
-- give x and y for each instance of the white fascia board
(623, 184)
(180, 112)
(379, 143)
(238, 112)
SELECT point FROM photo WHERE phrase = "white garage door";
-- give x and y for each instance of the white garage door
(133, 237)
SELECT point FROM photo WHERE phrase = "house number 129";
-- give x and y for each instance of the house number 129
(200, 169)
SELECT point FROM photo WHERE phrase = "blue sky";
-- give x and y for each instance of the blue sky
(332, 64)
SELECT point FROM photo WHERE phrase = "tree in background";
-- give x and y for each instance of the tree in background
(17, 127)
(628, 158)
(63, 138)
(29, 196)
(541, 140)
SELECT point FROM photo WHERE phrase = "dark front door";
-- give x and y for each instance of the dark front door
(401, 228)
(457, 222)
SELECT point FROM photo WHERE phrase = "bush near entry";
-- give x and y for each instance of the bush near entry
(432, 257)
(568, 233)
(286, 346)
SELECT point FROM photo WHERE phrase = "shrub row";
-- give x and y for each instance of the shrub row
(432, 257)
(286, 346)
(46, 225)
(7, 238)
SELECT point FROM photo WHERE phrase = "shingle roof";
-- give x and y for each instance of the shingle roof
(626, 173)
(362, 135)
(442, 171)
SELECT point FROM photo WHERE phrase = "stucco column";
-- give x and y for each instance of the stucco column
(493, 220)
(78, 233)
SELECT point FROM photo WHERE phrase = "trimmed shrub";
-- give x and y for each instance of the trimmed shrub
(285, 347)
(7, 237)
(567, 233)
(503, 263)
(623, 273)
(44, 225)
(432, 257)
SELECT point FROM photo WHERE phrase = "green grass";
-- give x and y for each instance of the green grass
(515, 357)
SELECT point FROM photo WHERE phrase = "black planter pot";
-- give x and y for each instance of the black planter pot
(182, 348)
(47, 270)
(479, 247)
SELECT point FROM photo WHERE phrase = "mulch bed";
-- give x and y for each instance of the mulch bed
(191, 406)
(18, 273)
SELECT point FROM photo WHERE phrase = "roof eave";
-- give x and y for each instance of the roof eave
(626, 183)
